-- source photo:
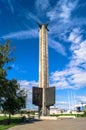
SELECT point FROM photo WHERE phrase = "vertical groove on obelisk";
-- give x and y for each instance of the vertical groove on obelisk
(40, 58)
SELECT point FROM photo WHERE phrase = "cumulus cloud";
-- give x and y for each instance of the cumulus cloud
(74, 75)
(79, 54)
(77, 48)
(62, 10)
(69, 78)
(27, 85)
(66, 9)
(75, 36)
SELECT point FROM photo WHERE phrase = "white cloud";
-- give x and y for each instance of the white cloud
(65, 12)
(75, 36)
(32, 33)
(18, 68)
(58, 79)
(78, 39)
(81, 99)
(42, 5)
(74, 75)
(79, 54)
(61, 103)
(69, 78)
(52, 14)
(62, 10)
(78, 79)
(62, 21)
(32, 16)
(27, 84)
(66, 9)
(57, 46)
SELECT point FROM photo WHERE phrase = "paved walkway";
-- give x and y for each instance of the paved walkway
(60, 124)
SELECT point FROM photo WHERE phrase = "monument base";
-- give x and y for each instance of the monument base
(44, 111)
(43, 98)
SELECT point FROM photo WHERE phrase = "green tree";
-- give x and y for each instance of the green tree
(4, 60)
(12, 97)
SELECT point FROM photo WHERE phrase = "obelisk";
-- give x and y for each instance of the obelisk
(43, 65)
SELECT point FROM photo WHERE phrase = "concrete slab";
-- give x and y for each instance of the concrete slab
(48, 118)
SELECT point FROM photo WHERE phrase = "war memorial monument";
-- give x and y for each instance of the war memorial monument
(43, 95)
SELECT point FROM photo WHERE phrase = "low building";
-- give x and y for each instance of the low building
(54, 111)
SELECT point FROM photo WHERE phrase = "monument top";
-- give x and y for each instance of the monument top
(40, 25)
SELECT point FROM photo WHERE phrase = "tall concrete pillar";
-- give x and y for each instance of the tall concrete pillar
(43, 65)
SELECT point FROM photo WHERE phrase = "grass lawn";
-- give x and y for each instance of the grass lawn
(14, 121)
(77, 115)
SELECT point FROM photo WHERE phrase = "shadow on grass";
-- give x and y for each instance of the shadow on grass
(6, 121)
(29, 121)
(6, 124)
(17, 121)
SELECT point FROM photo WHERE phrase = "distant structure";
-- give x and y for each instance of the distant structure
(43, 96)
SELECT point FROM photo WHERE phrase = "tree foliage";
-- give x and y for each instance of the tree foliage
(5, 58)
(12, 97)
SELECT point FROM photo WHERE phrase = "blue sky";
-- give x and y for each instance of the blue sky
(66, 40)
